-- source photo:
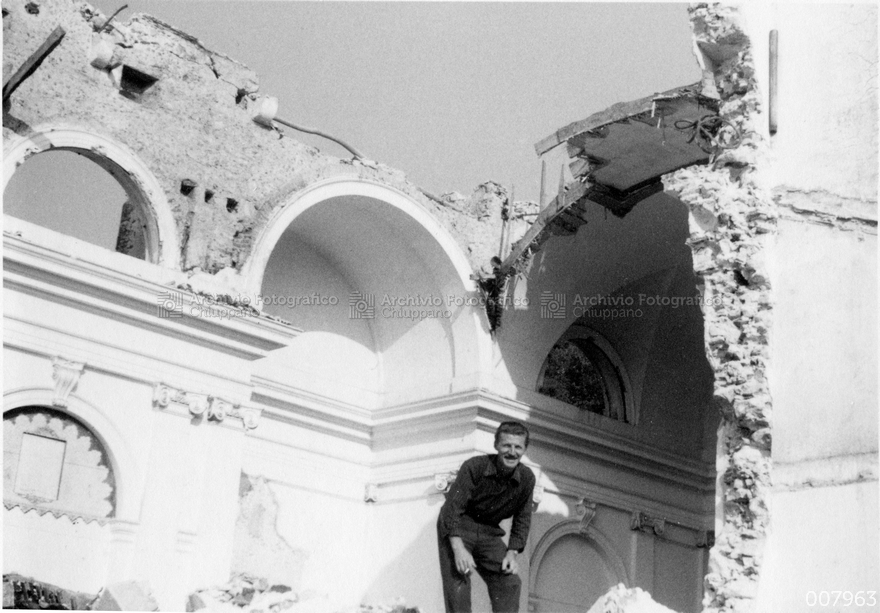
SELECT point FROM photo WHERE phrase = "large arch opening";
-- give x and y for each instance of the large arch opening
(380, 291)
(65, 191)
(625, 297)
(91, 188)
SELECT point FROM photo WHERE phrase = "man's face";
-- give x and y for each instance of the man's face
(510, 448)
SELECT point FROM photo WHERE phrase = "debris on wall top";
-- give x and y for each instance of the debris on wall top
(187, 113)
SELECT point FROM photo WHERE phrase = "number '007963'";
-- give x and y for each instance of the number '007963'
(846, 598)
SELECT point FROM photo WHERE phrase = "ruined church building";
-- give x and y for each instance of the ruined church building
(287, 355)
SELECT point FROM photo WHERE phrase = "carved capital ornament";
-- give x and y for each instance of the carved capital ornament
(647, 524)
(65, 374)
(211, 407)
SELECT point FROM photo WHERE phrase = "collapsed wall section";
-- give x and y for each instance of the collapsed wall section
(186, 113)
(732, 217)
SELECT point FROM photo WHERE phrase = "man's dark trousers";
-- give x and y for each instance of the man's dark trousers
(488, 551)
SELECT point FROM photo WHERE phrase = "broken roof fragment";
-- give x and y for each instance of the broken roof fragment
(621, 154)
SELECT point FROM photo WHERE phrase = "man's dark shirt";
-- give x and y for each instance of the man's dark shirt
(482, 495)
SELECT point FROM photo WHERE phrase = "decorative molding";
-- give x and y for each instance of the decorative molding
(66, 375)
(218, 408)
(371, 492)
(647, 524)
(250, 417)
(705, 539)
(126, 289)
(74, 517)
(608, 441)
(198, 405)
(586, 510)
(443, 481)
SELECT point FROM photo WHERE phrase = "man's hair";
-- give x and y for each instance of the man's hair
(511, 427)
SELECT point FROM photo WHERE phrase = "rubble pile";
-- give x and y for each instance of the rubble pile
(243, 592)
(619, 599)
(21, 592)
(732, 218)
(247, 593)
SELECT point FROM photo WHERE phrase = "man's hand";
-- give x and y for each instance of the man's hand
(509, 565)
(464, 561)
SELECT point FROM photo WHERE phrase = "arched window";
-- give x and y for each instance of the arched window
(52, 461)
(584, 371)
(70, 191)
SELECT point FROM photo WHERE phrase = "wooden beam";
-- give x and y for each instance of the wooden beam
(565, 199)
(32, 63)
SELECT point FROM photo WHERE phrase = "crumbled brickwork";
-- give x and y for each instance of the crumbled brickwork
(186, 112)
(732, 217)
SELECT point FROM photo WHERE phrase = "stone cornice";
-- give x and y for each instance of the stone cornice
(89, 278)
(292, 405)
(405, 425)
(576, 440)
(825, 204)
(204, 405)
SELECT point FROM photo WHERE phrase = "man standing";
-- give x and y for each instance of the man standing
(487, 490)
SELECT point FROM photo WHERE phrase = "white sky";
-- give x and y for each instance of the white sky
(453, 94)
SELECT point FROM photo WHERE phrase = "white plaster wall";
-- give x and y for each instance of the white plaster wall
(330, 531)
(335, 355)
(176, 484)
(827, 104)
(317, 481)
(822, 539)
(824, 367)
(823, 270)
(402, 540)
(176, 477)
(69, 553)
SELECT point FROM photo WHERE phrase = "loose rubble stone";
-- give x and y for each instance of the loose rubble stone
(619, 599)
(729, 261)
(245, 593)
(126, 596)
(20, 592)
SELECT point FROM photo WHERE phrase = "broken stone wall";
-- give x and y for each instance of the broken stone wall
(779, 228)
(186, 112)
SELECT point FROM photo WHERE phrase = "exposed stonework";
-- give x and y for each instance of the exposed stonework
(187, 112)
(132, 228)
(259, 549)
(731, 218)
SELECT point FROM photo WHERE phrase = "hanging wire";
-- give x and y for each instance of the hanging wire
(706, 132)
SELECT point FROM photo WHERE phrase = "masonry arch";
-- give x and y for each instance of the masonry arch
(571, 566)
(381, 291)
(142, 188)
(127, 471)
(611, 384)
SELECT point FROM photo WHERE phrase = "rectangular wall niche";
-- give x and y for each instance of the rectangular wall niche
(39, 467)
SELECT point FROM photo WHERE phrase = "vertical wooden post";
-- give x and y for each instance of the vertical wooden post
(561, 195)
(505, 227)
(774, 82)
(542, 201)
